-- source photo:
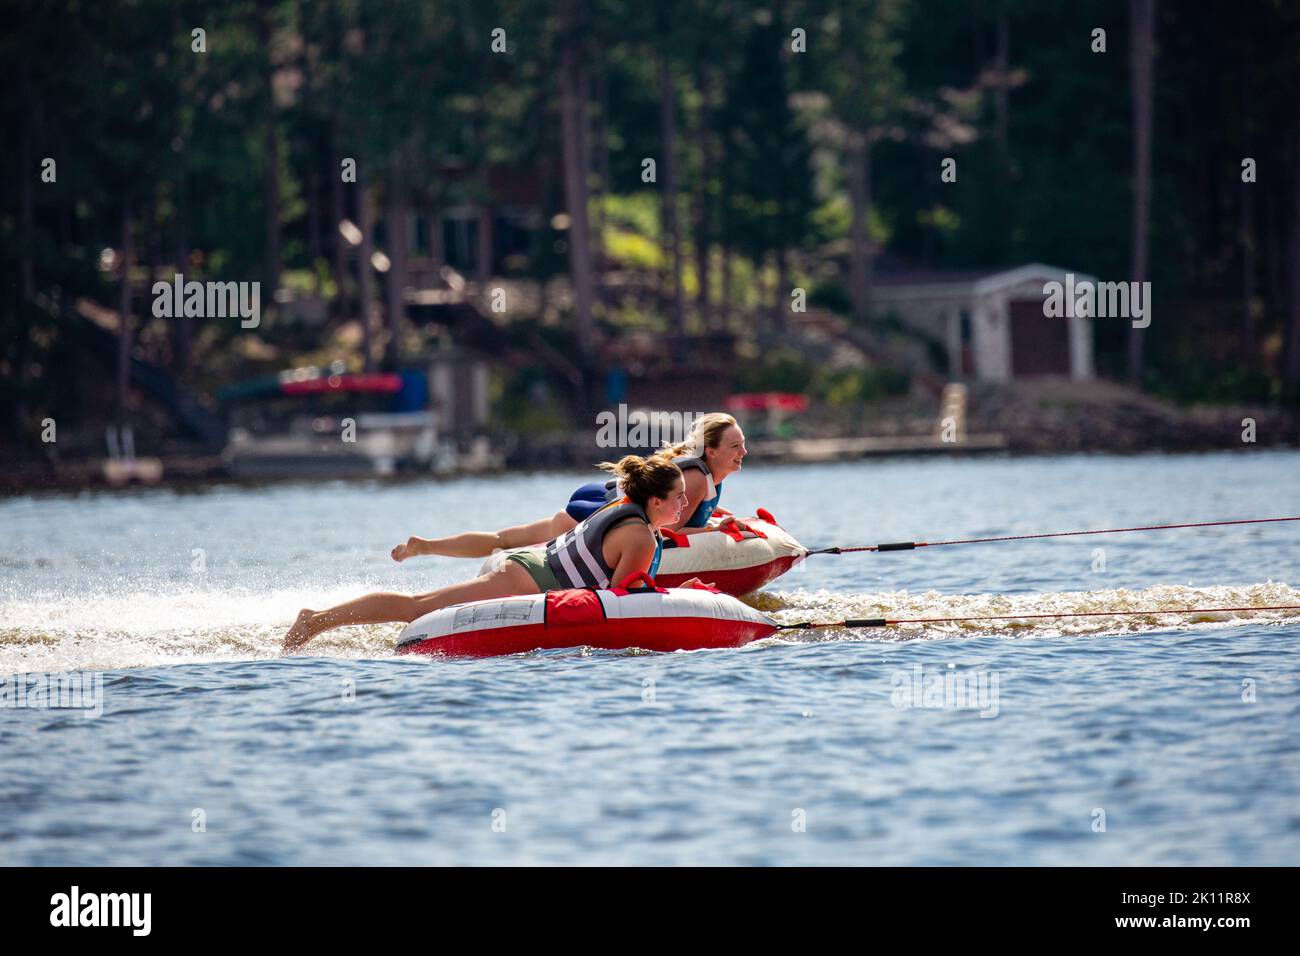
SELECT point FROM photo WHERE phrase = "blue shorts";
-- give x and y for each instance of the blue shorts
(586, 501)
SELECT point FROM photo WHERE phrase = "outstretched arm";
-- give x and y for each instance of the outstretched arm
(696, 486)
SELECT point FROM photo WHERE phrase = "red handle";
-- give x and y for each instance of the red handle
(634, 577)
(678, 539)
(735, 534)
(766, 516)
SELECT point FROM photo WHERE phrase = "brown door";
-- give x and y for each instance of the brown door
(1040, 345)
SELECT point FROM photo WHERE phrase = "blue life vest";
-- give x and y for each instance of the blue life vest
(704, 510)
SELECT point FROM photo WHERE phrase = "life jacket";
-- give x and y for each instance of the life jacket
(577, 557)
(704, 510)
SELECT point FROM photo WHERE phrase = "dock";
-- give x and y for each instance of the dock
(838, 449)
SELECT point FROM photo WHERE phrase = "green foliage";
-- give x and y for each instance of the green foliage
(526, 405)
(632, 250)
(845, 387)
(784, 370)
(781, 370)
(636, 212)
(140, 123)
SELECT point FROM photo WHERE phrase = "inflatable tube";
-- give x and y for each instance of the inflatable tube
(679, 619)
(715, 557)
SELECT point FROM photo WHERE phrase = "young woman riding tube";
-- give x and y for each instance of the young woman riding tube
(714, 451)
(616, 541)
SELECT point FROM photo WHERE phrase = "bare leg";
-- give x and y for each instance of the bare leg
(384, 606)
(561, 522)
(479, 544)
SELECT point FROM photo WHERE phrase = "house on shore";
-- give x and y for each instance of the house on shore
(991, 321)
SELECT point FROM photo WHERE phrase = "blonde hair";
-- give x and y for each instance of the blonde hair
(705, 433)
(643, 478)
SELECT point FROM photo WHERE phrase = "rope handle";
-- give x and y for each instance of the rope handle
(735, 534)
(676, 538)
(623, 587)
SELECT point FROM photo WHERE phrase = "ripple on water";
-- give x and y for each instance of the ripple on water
(793, 750)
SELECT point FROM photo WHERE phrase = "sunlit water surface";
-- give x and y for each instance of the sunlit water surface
(1150, 739)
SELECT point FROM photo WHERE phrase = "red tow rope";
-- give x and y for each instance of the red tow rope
(912, 545)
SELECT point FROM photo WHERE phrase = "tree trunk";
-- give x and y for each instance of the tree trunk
(703, 131)
(397, 215)
(1249, 243)
(584, 137)
(599, 149)
(308, 110)
(313, 227)
(724, 313)
(271, 172)
(1249, 337)
(668, 150)
(182, 326)
(483, 264)
(1001, 63)
(859, 234)
(183, 342)
(153, 253)
(724, 228)
(26, 238)
(339, 245)
(979, 54)
(272, 184)
(781, 296)
(124, 320)
(26, 215)
(1142, 16)
(437, 247)
(365, 273)
(1291, 370)
(572, 111)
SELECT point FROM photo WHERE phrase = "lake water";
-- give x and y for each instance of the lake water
(1098, 740)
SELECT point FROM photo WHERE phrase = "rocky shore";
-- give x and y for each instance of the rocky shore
(1037, 417)
(1062, 416)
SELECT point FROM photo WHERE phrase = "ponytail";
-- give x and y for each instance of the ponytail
(705, 433)
(643, 478)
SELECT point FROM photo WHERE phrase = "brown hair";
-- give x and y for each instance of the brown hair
(644, 478)
(705, 433)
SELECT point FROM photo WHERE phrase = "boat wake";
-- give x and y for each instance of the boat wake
(123, 629)
(1114, 611)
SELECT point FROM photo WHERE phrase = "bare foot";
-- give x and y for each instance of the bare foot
(404, 551)
(300, 633)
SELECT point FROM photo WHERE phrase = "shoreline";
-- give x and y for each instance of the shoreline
(195, 473)
(1036, 418)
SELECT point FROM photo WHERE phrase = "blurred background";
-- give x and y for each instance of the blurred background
(476, 225)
